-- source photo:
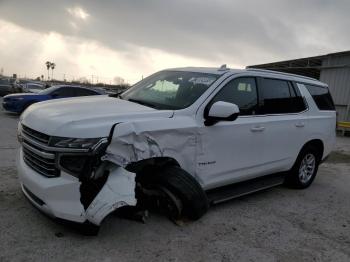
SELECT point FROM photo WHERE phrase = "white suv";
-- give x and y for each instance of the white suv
(179, 140)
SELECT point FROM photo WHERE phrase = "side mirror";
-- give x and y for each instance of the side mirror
(54, 95)
(221, 111)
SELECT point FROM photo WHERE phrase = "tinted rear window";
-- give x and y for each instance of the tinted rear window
(321, 96)
(279, 97)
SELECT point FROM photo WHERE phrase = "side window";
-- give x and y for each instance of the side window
(84, 92)
(321, 96)
(242, 92)
(64, 92)
(277, 97)
(297, 101)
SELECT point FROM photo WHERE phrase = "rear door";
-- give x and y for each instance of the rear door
(285, 120)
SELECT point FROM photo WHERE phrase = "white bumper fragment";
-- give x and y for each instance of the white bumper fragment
(60, 197)
(118, 191)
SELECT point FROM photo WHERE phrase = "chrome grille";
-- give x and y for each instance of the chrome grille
(35, 155)
(35, 135)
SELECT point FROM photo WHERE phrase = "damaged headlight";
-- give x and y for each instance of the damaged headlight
(76, 143)
(80, 155)
(74, 164)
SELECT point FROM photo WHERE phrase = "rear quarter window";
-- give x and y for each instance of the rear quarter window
(321, 96)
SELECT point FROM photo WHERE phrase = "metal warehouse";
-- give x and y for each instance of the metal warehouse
(333, 69)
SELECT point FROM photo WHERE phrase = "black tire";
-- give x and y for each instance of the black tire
(186, 188)
(296, 177)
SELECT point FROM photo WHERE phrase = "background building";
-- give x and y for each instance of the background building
(333, 69)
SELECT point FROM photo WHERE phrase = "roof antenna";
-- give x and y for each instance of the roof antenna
(223, 67)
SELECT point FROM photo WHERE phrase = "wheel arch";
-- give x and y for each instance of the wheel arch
(318, 144)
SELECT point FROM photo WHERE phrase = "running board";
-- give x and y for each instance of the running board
(229, 192)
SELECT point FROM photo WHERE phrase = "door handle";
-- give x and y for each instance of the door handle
(300, 124)
(257, 129)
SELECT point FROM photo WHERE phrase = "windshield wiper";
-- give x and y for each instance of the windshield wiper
(142, 103)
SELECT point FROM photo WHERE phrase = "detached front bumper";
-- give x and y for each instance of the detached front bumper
(59, 197)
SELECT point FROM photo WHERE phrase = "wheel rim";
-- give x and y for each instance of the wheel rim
(307, 168)
(171, 203)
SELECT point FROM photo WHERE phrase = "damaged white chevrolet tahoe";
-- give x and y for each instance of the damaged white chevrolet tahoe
(178, 141)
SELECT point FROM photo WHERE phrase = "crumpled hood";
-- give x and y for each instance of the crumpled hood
(85, 117)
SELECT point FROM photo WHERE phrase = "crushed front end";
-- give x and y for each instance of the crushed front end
(66, 178)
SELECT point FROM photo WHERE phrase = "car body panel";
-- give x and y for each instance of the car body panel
(175, 138)
(94, 116)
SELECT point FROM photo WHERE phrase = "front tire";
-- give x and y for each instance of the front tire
(304, 169)
(187, 189)
(180, 193)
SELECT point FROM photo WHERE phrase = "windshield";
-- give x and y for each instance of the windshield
(170, 89)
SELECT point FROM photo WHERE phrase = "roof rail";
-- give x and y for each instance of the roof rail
(280, 73)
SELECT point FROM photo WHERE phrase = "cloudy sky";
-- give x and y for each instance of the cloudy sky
(130, 38)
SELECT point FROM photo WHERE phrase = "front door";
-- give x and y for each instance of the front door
(231, 151)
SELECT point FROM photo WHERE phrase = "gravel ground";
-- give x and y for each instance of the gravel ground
(274, 225)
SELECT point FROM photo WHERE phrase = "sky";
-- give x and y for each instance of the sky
(107, 40)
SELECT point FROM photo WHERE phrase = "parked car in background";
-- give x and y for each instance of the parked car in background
(19, 102)
(32, 87)
(9, 86)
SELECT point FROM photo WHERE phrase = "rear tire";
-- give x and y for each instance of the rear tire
(304, 169)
